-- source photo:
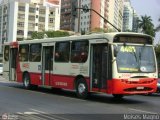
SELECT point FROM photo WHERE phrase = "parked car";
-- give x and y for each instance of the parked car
(1, 68)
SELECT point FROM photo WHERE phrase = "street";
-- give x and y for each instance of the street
(18, 103)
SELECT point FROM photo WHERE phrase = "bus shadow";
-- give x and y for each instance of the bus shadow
(94, 97)
(104, 98)
(153, 95)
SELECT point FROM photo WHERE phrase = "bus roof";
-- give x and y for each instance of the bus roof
(107, 36)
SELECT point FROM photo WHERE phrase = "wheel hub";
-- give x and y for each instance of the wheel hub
(81, 88)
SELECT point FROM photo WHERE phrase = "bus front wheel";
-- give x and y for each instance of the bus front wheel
(26, 81)
(81, 88)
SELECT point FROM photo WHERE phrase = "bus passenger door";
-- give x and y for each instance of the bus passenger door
(47, 65)
(99, 66)
(13, 64)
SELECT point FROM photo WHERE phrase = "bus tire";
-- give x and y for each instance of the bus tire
(118, 96)
(81, 88)
(26, 81)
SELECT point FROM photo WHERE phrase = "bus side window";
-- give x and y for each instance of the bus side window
(62, 51)
(79, 52)
(6, 53)
(35, 53)
(23, 52)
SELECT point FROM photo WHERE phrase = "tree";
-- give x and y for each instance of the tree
(50, 34)
(103, 30)
(146, 25)
(37, 35)
(158, 27)
(157, 47)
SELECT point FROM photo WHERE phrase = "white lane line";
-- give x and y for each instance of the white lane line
(30, 113)
(38, 111)
(19, 113)
(143, 111)
(54, 117)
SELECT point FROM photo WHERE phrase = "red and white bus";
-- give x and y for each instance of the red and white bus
(115, 63)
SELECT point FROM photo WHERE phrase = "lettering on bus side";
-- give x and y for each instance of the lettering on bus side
(83, 69)
(61, 84)
(25, 65)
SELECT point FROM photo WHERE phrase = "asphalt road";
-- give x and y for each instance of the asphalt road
(44, 104)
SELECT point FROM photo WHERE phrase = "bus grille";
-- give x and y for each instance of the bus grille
(139, 82)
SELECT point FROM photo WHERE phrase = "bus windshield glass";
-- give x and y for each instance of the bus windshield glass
(138, 59)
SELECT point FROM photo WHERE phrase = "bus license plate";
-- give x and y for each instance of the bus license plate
(140, 88)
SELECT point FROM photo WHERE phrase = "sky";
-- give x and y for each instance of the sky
(149, 8)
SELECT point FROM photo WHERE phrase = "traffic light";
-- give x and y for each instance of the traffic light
(74, 8)
(85, 8)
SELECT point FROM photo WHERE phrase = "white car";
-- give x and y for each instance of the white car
(1, 68)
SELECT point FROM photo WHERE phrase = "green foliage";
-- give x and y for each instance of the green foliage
(158, 27)
(103, 30)
(37, 35)
(157, 50)
(146, 25)
(50, 34)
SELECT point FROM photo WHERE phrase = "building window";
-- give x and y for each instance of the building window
(51, 20)
(31, 17)
(30, 33)
(32, 10)
(42, 11)
(41, 19)
(31, 25)
(20, 32)
(20, 24)
(21, 8)
(41, 26)
(21, 16)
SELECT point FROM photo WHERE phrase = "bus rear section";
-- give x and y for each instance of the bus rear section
(10, 53)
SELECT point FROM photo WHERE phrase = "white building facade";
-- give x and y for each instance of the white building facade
(115, 15)
(19, 18)
(127, 16)
(90, 20)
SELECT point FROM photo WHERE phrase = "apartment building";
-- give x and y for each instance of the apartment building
(69, 15)
(81, 21)
(127, 16)
(136, 19)
(19, 18)
(115, 15)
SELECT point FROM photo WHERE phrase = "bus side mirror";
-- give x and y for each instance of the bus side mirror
(115, 51)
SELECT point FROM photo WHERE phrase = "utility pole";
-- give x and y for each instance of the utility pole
(86, 9)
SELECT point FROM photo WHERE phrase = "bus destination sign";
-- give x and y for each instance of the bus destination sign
(133, 39)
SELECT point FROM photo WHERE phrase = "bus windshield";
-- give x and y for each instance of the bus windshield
(135, 59)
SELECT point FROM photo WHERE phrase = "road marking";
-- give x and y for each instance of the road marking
(38, 111)
(54, 117)
(138, 110)
(19, 113)
(30, 113)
